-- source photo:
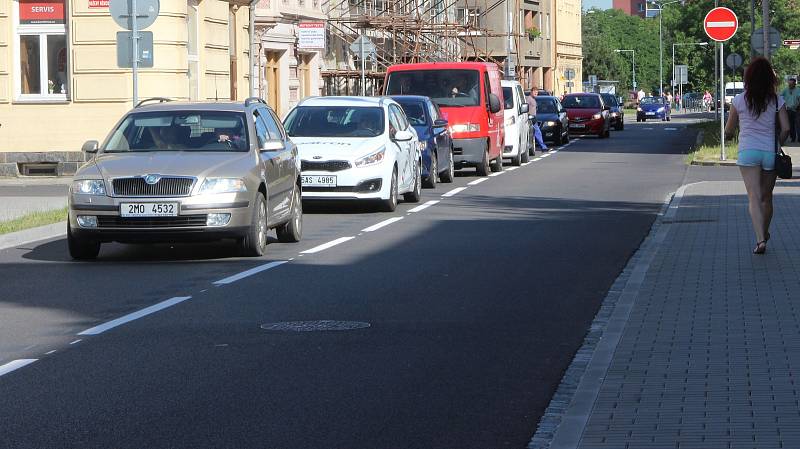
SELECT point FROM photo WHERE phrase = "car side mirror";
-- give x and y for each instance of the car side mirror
(495, 105)
(606, 108)
(273, 145)
(524, 108)
(439, 123)
(403, 136)
(90, 147)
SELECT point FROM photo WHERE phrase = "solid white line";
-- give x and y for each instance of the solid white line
(377, 226)
(50, 352)
(496, 174)
(546, 155)
(422, 207)
(250, 272)
(527, 163)
(537, 159)
(726, 24)
(554, 152)
(453, 192)
(76, 341)
(512, 168)
(133, 316)
(15, 365)
(477, 181)
(325, 246)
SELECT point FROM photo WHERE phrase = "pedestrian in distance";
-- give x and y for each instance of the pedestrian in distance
(639, 96)
(754, 112)
(535, 130)
(707, 101)
(791, 95)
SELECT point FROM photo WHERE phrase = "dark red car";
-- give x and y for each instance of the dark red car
(587, 114)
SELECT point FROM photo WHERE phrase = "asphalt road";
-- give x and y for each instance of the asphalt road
(475, 306)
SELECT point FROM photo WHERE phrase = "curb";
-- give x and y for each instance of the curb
(697, 142)
(19, 238)
(563, 422)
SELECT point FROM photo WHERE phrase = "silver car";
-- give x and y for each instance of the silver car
(175, 171)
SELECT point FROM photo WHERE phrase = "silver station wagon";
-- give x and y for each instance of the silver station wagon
(176, 171)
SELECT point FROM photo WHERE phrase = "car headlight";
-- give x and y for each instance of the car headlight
(596, 116)
(465, 128)
(222, 185)
(372, 158)
(550, 123)
(422, 145)
(639, 109)
(89, 187)
(614, 114)
(660, 109)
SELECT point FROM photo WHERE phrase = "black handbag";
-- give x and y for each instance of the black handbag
(783, 162)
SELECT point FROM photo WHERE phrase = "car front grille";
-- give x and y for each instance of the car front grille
(324, 166)
(580, 119)
(114, 221)
(166, 186)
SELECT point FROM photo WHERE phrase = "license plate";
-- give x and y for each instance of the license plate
(148, 209)
(577, 125)
(319, 181)
(650, 113)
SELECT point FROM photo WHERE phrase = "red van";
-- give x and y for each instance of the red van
(470, 98)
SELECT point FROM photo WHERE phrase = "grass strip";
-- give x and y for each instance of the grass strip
(709, 149)
(33, 220)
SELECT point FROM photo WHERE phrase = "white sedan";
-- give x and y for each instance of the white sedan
(356, 148)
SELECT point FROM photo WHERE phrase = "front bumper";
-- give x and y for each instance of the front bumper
(652, 115)
(589, 127)
(367, 183)
(469, 151)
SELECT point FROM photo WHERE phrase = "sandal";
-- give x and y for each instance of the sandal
(766, 238)
(761, 247)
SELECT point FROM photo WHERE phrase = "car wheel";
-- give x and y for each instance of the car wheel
(254, 244)
(81, 249)
(430, 181)
(669, 118)
(566, 137)
(516, 161)
(414, 195)
(524, 157)
(292, 231)
(483, 167)
(391, 204)
(450, 173)
(497, 166)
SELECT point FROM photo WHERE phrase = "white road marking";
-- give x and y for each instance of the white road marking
(15, 365)
(527, 163)
(453, 192)
(647, 129)
(546, 155)
(512, 168)
(250, 272)
(477, 181)
(554, 152)
(50, 352)
(377, 226)
(496, 174)
(422, 207)
(203, 291)
(325, 246)
(133, 316)
(670, 129)
(76, 341)
(537, 159)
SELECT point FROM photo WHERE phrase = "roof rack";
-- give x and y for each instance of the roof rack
(252, 100)
(153, 99)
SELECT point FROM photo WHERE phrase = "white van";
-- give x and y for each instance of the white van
(517, 124)
(733, 89)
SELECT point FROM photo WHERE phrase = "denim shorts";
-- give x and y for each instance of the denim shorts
(757, 158)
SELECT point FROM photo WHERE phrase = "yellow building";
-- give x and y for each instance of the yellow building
(568, 45)
(60, 84)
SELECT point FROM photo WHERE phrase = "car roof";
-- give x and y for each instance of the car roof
(400, 98)
(582, 94)
(509, 83)
(546, 97)
(444, 66)
(227, 106)
(345, 101)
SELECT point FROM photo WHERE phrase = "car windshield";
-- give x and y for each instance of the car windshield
(335, 121)
(415, 111)
(179, 131)
(508, 98)
(733, 91)
(652, 100)
(610, 99)
(448, 88)
(581, 102)
(545, 106)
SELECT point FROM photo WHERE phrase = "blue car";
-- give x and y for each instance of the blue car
(653, 108)
(435, 142)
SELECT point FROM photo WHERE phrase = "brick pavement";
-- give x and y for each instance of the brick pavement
(708, 352)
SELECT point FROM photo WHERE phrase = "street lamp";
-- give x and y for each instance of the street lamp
(660, 8)
(702, 44)
(633, 52)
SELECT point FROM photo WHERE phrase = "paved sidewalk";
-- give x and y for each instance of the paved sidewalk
(702, 346)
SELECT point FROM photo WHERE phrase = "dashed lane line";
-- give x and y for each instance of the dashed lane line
(377, 226)
(134, 316)
(512, 168)
(453, 192)
(422, 207)
(537, 159)
(477, 181)
(15, 365)
(76, 341)
(496, 174)
(250, 272)
(325, 246)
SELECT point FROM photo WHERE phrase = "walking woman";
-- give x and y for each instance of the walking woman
(754, 113)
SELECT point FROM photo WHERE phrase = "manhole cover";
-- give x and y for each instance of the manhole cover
(314, 326)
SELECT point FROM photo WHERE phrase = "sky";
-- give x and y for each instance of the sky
(587, 4)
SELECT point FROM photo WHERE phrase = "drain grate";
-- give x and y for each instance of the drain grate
(314, 326)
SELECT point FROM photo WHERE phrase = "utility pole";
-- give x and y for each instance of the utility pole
(752, 24)
(765, 16)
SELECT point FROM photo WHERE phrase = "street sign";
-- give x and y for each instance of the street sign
(311, 35)
(569, 74)
(593, 80)
(734, 61)
(681, 75)
(125, 49)
(720, 24)
(146, 13)
(368, 47)
(757, 40)
(569, 84)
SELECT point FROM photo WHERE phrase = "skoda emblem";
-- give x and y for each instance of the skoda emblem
(317, 157)
(152, 179)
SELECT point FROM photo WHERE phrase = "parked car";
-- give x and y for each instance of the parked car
(616, 110)
(175, 171)
(653, 108)
(470, 98)
(552, 119)
(356, 148)
(587, 114)
(517, 124)
(435, 142)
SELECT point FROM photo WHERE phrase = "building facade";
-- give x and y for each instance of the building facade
(568, 46)
(288, 63)
(60, 84)
(631, 7)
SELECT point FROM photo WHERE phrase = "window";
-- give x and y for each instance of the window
(261, 129)
(468, 17)
(335, 121)
(179, 131)
(41, 70)
(641, 7)
(272, 127)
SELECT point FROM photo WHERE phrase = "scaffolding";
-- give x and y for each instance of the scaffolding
(403, 31)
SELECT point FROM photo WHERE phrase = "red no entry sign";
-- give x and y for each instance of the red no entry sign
(721, 24)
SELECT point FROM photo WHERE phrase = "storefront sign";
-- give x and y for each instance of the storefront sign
(311, 35)
(98, 3)
(41, 12)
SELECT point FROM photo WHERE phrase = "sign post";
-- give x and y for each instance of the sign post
(365, 48)
(134, 15)
(720, 25)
